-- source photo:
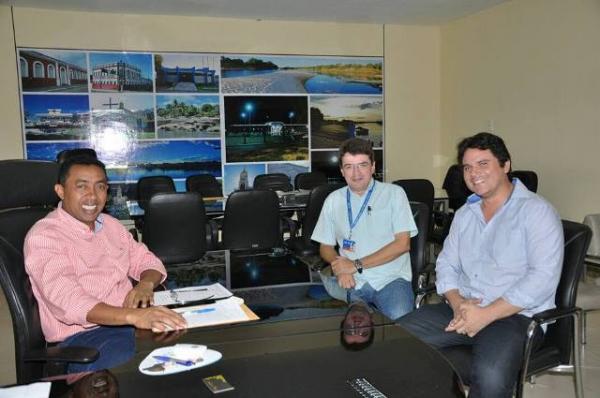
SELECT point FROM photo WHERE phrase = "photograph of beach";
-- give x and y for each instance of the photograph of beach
(240, 177)
(128, 114)
(56, 117)
(188, 116)
(177, 159)
(266, 128)
(186, 73)
(289, 169)
(334, 119)
(327, 162)
(121, 72)
(53, 71)
(302, 74)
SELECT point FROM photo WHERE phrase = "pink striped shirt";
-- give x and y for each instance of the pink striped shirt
(73, 268)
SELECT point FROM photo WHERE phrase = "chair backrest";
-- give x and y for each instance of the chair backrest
(151, 185)
(251, 220)
(577, 239)
(456, 189)
(309, 180)
(418, 243)
(313, 208)
(23, 308)
(528, 178)
(272, 182)
(30, 197)
(175, 227)
(206, 184)
(418, 190)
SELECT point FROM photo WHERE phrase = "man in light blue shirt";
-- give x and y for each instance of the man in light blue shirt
(500, 264)
(372, 224)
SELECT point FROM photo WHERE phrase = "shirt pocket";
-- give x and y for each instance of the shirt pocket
(509, 251)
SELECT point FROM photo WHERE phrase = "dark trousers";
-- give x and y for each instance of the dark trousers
(496, 351)
(116, 345)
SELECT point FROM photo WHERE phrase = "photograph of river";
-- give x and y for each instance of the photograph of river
(302, 74)
(334, 119)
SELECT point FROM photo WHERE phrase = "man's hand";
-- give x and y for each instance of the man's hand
(142, 295)
(342, 265)
(346, 281)
(158, 319)
(472, 318)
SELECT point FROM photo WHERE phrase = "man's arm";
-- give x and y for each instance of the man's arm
(329, 254)
(391, 251)
(142, 295)
(159, 319)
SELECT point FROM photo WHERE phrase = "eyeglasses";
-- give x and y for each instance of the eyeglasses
(362, 331)
(362, 166)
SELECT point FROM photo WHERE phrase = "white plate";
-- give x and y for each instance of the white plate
(209, 357)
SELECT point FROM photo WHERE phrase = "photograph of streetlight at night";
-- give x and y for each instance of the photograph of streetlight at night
(266, 128)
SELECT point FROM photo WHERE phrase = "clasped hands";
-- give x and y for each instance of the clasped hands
(469, 318)
(343, 268)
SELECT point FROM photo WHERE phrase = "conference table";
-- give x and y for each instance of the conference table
(294, 350)
(214, 207)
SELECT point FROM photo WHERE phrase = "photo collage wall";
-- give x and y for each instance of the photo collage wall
(181, 114)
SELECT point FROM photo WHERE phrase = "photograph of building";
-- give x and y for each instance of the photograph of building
(121, 72)
(53, 70)
(186, 73)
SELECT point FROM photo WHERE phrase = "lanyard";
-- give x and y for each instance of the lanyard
(362, 208)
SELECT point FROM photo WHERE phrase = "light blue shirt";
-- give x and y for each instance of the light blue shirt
(389, 215)
(517, 255)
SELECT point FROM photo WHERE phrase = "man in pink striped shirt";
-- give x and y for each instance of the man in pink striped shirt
(80, 263)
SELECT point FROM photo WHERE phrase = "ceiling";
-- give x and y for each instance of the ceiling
(420, 12)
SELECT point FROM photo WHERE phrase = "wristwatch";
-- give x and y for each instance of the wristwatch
(358, 265)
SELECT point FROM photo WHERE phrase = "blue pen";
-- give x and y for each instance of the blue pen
(164, 358)
(199, 311)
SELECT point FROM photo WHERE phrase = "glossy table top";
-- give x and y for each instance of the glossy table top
(294, 350)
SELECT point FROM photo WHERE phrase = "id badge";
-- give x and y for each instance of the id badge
(348, 245)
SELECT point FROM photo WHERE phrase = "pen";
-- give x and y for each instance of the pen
(183, 290)
(164, 358)
(199, 311)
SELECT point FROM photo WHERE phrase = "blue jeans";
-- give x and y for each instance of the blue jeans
(116, 345)
(394, 300)
(496, 351)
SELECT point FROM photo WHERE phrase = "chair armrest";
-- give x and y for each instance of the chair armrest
(554, 314)
(63, 354)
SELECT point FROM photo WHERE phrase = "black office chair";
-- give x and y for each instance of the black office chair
(176, 228)
(303, 245)
(30, 197)
(455, 187)
(418, 248)
(272, 182)
(206, 184)
(528, 178)
(309, 180)
(561, 340)
(151, 185)
(75, 152)
(251, 221)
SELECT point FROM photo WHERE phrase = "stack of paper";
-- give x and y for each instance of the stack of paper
(189, 295)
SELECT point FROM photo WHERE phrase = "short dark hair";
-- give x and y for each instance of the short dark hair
(85, 160)
(484, 141)
(356, 146)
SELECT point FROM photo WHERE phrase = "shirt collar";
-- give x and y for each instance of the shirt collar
(78, 225)
(519, 191)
